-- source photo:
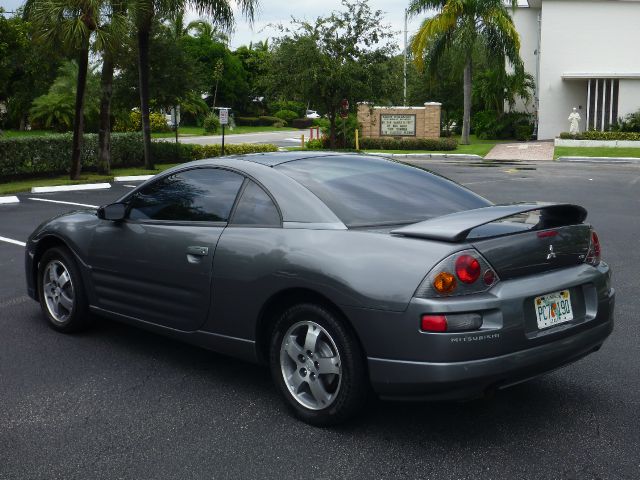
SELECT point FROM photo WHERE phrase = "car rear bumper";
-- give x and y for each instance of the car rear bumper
(459, 380)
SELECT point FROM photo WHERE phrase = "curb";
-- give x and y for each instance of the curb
(599, 159)
(69, 188)
(432, 156)
(9, 199)
(132, 178)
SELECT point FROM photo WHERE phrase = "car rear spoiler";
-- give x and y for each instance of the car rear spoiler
(456, 227)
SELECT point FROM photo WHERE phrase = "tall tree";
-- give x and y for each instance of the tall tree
(115, 25)
(73, 24)
(458, 25)
(144, 11)
(341, 56)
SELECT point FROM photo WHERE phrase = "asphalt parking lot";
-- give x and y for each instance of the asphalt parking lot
(117, 402)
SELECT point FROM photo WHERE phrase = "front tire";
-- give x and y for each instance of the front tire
(317, 365)
(62, 296)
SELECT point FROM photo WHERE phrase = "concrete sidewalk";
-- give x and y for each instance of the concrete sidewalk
(521, 151)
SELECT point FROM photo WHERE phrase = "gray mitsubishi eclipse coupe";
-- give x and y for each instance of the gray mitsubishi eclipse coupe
(341, 272)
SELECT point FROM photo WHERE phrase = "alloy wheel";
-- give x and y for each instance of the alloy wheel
(310, 365)
(58, 291)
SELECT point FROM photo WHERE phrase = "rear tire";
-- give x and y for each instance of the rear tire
(317, 365)
(61, 291)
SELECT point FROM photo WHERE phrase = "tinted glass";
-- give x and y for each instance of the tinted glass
(255, 207)
(365, 191)
(202, 194)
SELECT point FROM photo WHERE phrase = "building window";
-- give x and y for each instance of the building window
(602, 103)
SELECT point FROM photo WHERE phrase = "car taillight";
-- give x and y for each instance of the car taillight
(467, 268)
(594, 255)
(433, 323)
(452, 322)
(462, 273)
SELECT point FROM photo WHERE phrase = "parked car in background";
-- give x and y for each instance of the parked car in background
(342, 272)
(312, 114)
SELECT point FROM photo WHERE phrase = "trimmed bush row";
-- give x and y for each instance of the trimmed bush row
(596, 135)
(166, 152)
(51, 154)
(258, 121)
(408, 144)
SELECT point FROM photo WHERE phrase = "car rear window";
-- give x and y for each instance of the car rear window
(368, 191)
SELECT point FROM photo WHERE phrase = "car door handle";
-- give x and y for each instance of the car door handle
(199, 251)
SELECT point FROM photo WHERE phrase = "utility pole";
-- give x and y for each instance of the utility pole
(404, 73)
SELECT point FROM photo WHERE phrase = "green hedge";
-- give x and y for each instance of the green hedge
(264, 121)
(385, 143)
(51, 154)
(167, 152)
(596, 135)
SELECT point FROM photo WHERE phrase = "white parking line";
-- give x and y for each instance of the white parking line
(70, 188)
(10, 199)
(64, 203)
(11, 240)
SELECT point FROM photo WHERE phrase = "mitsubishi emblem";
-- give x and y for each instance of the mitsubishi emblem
(551, 253)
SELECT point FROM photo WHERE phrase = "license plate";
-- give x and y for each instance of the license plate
(553, 308)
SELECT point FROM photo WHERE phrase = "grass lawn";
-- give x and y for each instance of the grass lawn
(18, 186)
(476, 147)
(596, 152)
(237, 130)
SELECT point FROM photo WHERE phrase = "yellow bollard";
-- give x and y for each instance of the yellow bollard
(357, 140)
(302, 141)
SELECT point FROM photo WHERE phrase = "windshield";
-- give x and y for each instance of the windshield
(369, 191)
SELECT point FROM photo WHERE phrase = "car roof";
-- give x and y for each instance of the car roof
(271, 159)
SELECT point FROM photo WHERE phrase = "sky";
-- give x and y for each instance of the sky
(281, 11)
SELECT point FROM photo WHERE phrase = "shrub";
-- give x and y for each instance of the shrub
(51, 154)
(247, 121)
(398, 143)
(487, 124)
(133, 123)
(302, 123)
(596, 135)
(167, 152)
(630, 123)
(298, 107)
(315, 144)
(280, 124)
(266, 121)
(211, 123)
(286, 115)
(345, 130)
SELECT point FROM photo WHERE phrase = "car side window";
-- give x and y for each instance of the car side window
(255, 207)
(201, 194)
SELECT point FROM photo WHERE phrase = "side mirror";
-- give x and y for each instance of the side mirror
(114, 212)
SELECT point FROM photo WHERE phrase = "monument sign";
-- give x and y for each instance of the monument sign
(396, 125)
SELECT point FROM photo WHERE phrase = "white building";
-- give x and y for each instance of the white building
(584, 54)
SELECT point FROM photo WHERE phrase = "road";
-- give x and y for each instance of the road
(117, 402)
(285, 138)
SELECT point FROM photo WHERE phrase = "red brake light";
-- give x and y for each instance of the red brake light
(593, 258)
(433, 323)
(467, 268)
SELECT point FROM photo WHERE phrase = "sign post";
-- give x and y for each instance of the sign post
(344, 113)
(224, 120)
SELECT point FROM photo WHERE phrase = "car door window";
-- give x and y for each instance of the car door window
(255, 207)
(201, 194)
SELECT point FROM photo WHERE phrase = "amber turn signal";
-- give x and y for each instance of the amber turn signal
(444, 283)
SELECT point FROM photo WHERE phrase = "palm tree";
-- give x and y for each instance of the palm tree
(73, 24)
(459, 25)
(115, 26)
(144, 11)
(205, 29)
